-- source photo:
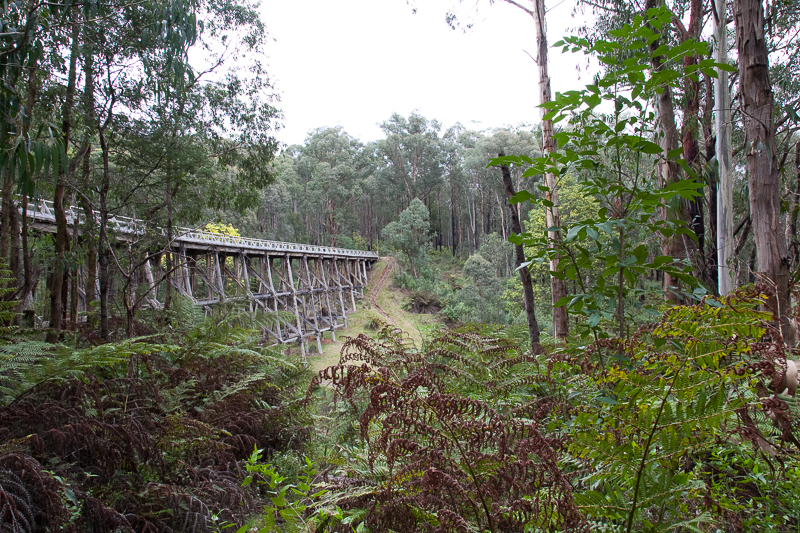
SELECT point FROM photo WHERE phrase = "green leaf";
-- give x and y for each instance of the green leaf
(660, 261)
(648, 147)
(563, 301)
(522, 196)
(640, 252)
(607, 400)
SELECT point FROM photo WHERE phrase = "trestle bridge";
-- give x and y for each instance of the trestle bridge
(317, 285)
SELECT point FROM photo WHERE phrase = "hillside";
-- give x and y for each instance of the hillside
(383, 301)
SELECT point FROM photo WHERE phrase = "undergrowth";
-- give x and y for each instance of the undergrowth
(682, 427)
(145, 435)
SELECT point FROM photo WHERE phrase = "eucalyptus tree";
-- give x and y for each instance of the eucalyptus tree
(617, 166)
(538, 13)
(412, 155)
(163, 127)
(755, 92)
(723, 153)
(221, 111)
(487, 200)
(118, 36)
(410, 234)
(329, 163)
(685, 113)
(453, 175)
(30, 32)
(484, 291)
(277, 214)
(120, 49)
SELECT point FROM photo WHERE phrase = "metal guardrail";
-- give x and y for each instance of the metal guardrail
(43, 210)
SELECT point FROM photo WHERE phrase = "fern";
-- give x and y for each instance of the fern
(664, 400)
(8, 313)
(447, 441)
(150, 436)
(185, 313)
(29, 363)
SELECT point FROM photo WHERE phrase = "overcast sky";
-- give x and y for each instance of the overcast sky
(354, 62)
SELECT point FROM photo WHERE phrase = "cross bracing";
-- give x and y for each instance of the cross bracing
(317, 286)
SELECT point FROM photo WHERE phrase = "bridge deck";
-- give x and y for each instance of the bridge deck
(318, 285)
(42, 212)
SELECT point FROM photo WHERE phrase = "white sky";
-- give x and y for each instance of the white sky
(355, 62)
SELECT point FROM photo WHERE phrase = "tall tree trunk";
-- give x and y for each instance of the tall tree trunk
(795, 207)
(690, 130)
(91, 248)
(27, 265)
(453, 214)
(763, 174)
(62, 235)
(89, 216)
(5, 215)
(558, 289)
(73, 290)
(14, 245)
(332, 224)
(524, 273)
(102, 241)
(710, 140)
(169, 254)
(724, 152)
(669, 172)
(27, 257)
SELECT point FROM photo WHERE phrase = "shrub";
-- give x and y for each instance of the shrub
(450, 440)
(672, 429)
(143, 436)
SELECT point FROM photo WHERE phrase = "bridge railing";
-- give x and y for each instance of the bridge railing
(44, 210)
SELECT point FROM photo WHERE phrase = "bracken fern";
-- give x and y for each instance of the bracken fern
(456, 458)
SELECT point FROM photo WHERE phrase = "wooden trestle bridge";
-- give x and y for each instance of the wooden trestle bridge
(317, 285)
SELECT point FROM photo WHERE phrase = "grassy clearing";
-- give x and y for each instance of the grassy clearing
(390, 299)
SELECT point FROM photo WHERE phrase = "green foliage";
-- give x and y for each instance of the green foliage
(412, 155)
(289, 504)
(329, 165)
(482, 294)
(8, 306)
(655, 416)
(410, 234)
(449, 438)
(671, 429)
(613, 159)
(149, 431)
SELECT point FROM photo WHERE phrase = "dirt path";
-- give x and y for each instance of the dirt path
(387, 270)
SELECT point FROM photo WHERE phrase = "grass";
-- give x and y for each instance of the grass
(390, 299)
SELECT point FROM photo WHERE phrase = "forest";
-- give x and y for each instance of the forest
(584, 324)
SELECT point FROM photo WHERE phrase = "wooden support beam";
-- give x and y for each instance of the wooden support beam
(313, 305)
(338, 278)
(321, 270)
(212, 286)
(151, 285)
(364, 266)
(187, 279)
(209, 274)
(218, 274)
(246, 278)
(266, 258)
(182, 291)
(287, 261)
(350, 283)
